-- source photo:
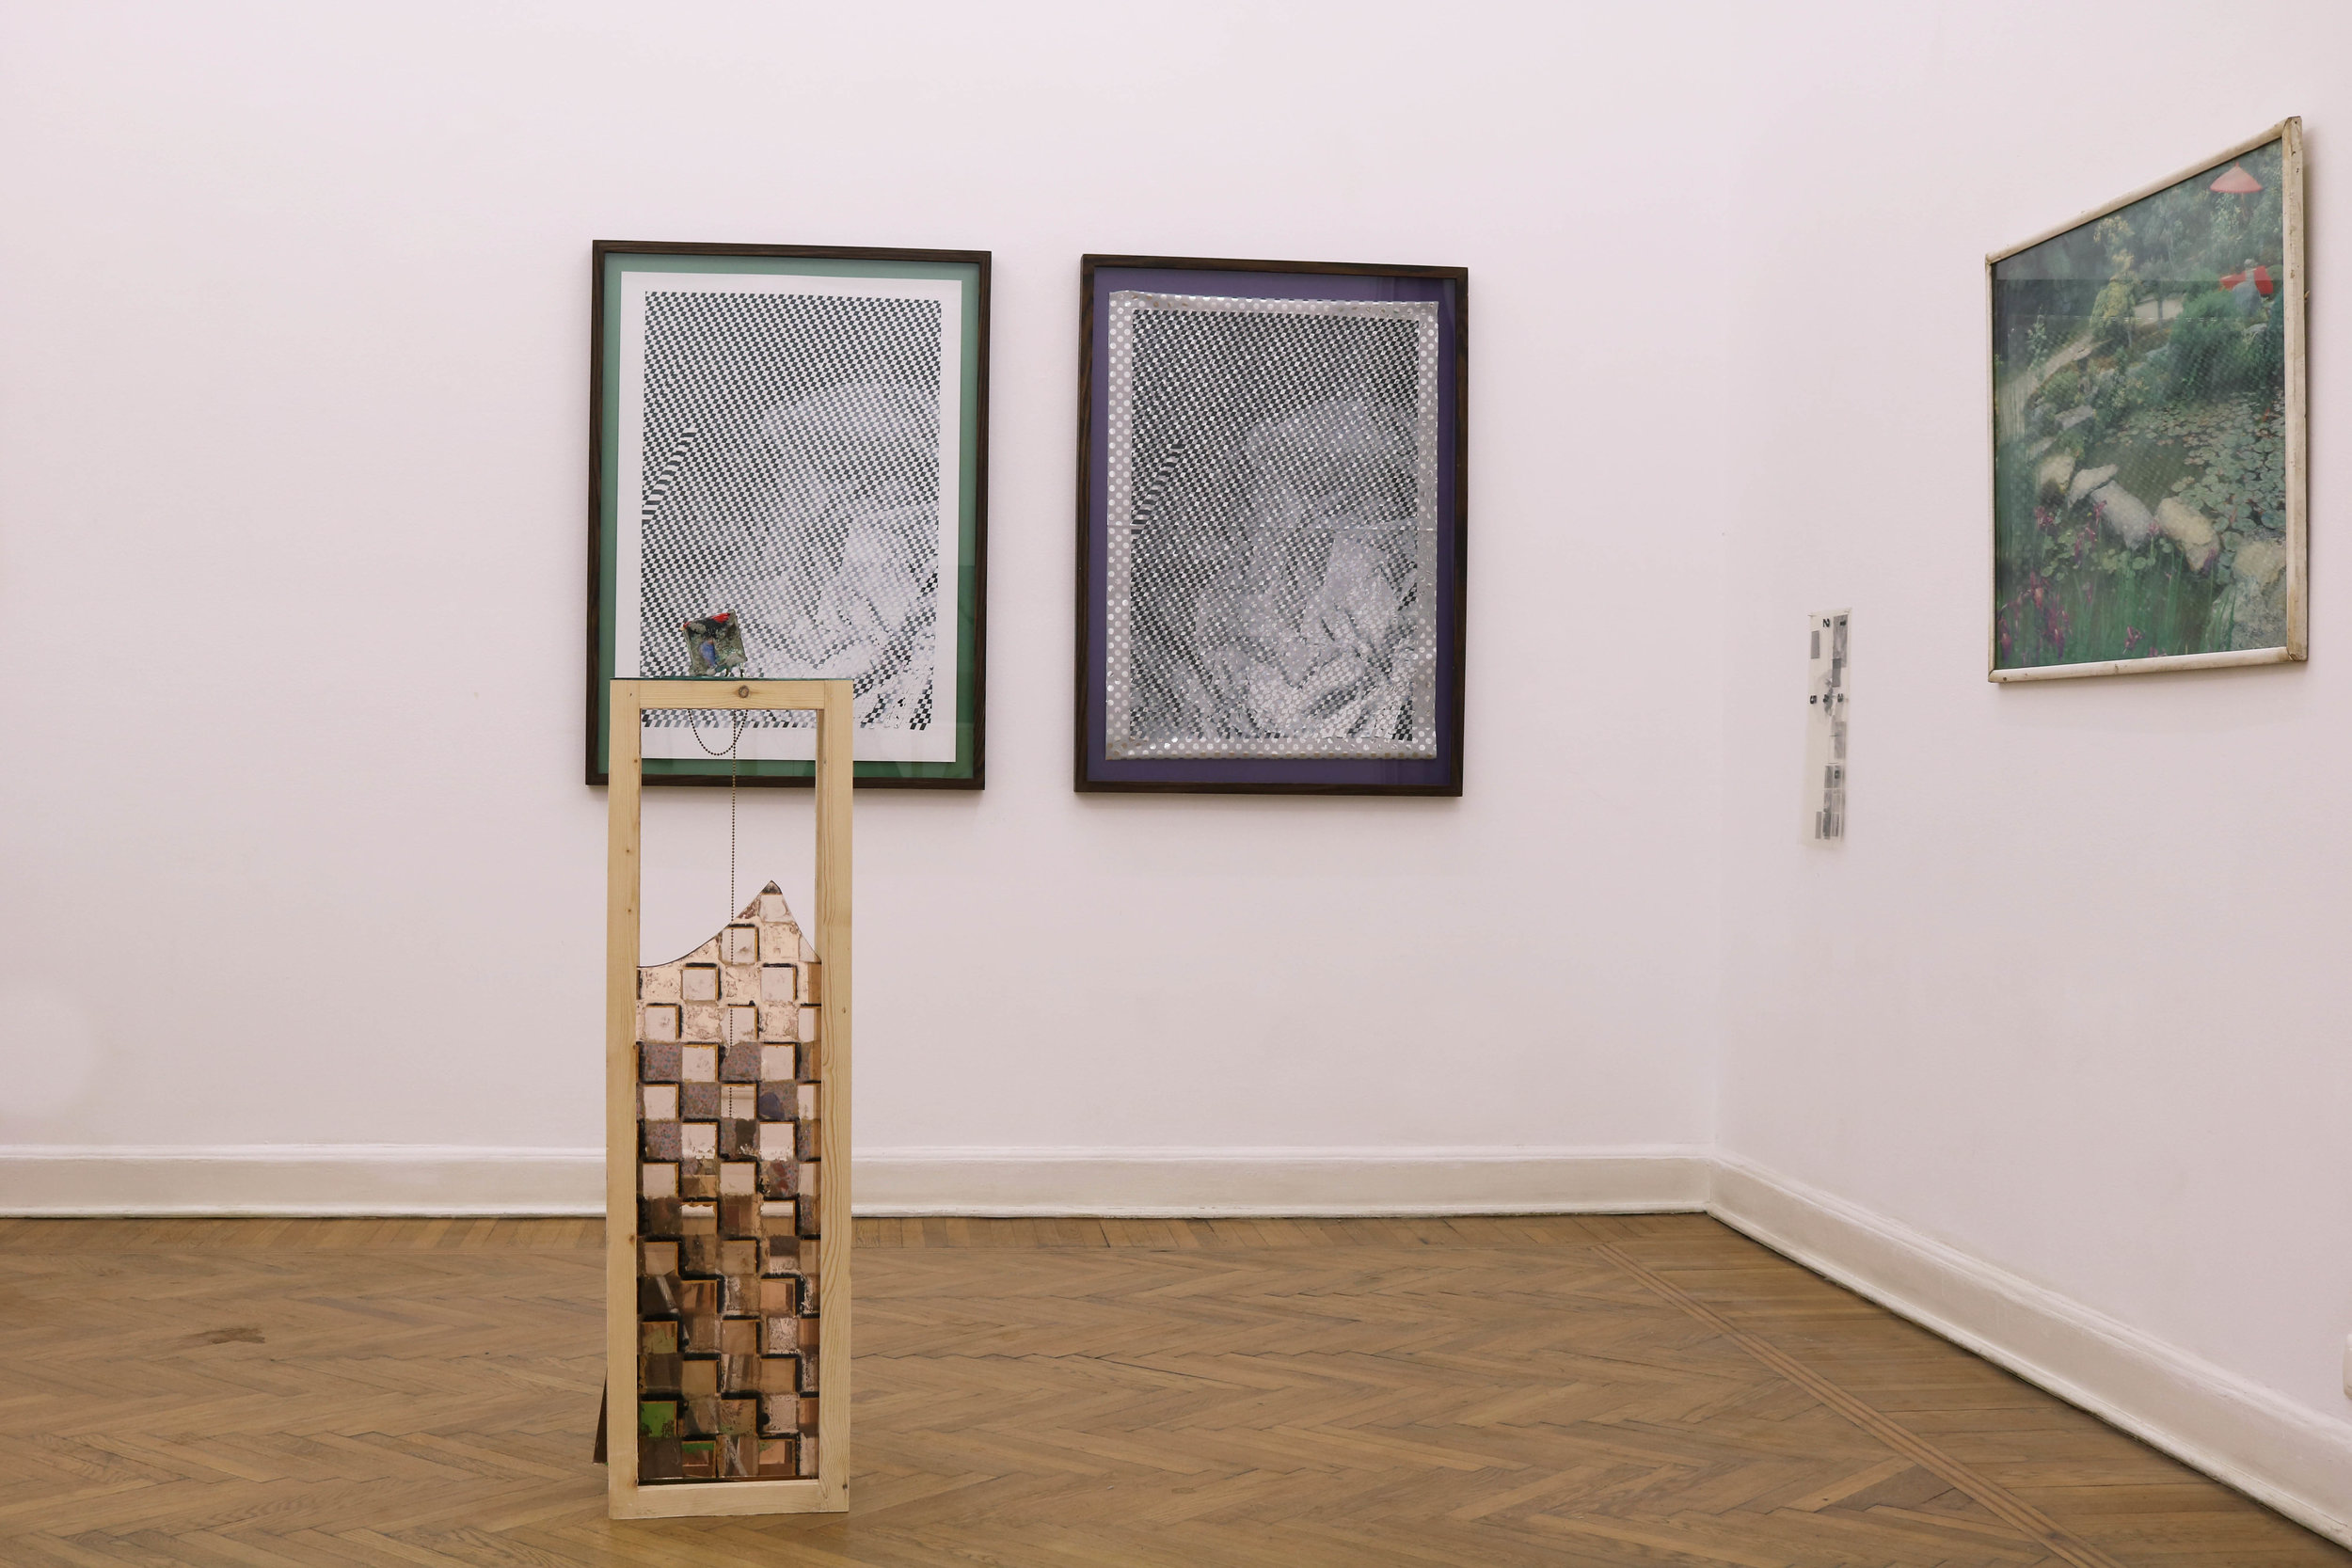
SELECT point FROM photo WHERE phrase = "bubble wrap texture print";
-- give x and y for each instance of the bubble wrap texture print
(791, 475)
(1272, 527)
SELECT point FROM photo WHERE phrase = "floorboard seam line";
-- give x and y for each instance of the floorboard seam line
(2013, 1511)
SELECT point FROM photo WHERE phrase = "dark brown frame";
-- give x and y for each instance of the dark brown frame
(1451, 746)
(981, 259)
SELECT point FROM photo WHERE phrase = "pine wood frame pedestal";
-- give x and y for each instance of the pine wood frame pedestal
(829, 1492)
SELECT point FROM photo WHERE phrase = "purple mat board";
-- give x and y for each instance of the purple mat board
(1438, 775)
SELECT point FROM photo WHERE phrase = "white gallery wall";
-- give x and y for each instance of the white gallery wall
(2071, 1001)
(301, 896)
(293, 840)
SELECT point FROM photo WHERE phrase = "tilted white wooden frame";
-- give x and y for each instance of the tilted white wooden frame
(829, 1492)
(2296, 287)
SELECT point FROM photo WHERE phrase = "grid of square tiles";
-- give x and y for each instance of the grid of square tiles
(730, 1248)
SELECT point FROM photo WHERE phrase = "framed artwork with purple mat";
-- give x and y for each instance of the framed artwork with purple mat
(1273, 537)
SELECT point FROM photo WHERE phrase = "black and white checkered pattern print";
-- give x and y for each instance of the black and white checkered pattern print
(793, 478)
(1273, 511)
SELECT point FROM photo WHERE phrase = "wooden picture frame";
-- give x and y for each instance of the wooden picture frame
(2196, 396)
(1405, 694)
(737, 396)
(834, 703)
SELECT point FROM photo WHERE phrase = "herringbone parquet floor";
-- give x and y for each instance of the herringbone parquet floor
(1057, 1394)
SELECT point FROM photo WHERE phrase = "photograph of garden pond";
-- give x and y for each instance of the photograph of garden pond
(2139, 366)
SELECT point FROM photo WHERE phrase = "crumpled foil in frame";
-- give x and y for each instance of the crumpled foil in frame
(1271, 549)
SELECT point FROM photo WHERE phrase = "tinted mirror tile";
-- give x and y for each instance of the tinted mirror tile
(740, 1140)
(657, 1458)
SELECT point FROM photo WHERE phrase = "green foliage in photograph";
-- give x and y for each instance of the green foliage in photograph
(2139, 376)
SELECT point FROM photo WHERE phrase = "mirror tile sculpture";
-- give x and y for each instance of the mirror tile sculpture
(729, 1251)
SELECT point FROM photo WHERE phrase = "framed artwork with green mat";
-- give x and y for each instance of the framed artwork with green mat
(787, 480)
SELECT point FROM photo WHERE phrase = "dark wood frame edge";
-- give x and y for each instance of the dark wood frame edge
(983, 261)
(1088, 265)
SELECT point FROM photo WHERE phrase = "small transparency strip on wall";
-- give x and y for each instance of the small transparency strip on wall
(1828, 688)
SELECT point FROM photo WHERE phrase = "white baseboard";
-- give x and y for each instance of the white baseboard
(2266, 1446)
(1304, 1181)
(413, 1179)
(299, 1179)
